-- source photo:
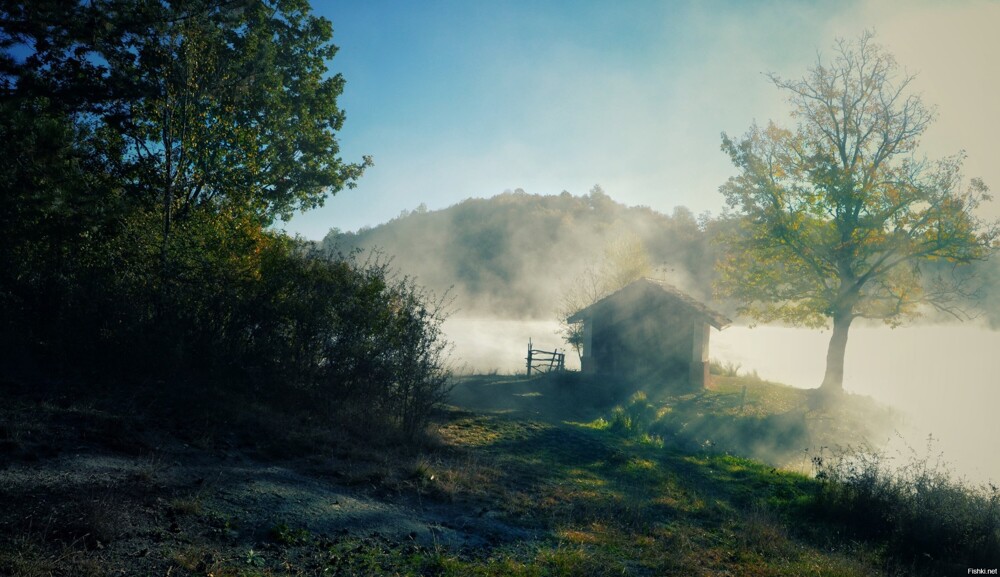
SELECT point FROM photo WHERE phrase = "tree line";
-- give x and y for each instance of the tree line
(516, 254)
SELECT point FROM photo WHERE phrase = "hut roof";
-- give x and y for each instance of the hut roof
(657, 289)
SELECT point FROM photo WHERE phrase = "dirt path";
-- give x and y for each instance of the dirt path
(86, 492)
(265, 496)
(190, 492)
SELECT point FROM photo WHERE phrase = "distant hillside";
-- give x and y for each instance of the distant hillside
(513, 255)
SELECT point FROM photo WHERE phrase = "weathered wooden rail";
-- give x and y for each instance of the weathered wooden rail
(541, 361)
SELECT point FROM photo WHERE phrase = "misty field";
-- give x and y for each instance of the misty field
(939, 377)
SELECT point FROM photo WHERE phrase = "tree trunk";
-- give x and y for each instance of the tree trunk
(168, 198)
(833, 380)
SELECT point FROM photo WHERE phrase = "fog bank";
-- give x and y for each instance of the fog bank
(945, 379)
(484, 345)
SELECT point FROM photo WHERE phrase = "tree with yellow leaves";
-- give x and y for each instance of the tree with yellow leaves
(839, 217)
(624, 261)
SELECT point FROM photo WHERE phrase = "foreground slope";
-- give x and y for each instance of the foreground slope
(88, 490)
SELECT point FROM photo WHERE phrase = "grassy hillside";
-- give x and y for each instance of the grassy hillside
(611, 505)
(536, 477)
(743, 415)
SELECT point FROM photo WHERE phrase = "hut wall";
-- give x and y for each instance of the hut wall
(699, 355)
(635, 342)
(644, 332)
(587, 365)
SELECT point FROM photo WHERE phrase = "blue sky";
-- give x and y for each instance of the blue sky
(459, 99)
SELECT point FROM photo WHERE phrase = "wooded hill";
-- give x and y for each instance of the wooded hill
(516, 253)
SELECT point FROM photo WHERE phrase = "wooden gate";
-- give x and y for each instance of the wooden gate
(541, 361)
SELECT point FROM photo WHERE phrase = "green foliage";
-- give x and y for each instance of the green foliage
(151, 146)
(633, 419)
(285, 535)
(212, 103)
(357, 338)
(244, 105)
(254, 558)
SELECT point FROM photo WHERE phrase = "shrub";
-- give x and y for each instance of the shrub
(347, 338)
(236, 311)
(923, 515)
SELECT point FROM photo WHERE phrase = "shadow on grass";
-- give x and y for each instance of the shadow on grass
(771, 422)
(551, 397)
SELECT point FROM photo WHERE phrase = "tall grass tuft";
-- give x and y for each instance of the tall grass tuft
(633, 419)
(724, 368)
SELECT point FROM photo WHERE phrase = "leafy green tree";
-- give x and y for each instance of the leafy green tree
(151, 144)
(220, 104)
(839, 214)
(237, 106)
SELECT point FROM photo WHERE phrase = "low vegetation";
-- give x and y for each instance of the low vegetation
(917, 508)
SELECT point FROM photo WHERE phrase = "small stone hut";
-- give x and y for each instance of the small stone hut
(649, 330)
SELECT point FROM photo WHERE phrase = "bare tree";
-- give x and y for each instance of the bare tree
(624, 261)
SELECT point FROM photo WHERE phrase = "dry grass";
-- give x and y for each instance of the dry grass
(186, 505)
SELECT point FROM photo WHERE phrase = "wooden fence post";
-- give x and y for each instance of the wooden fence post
(529, 357)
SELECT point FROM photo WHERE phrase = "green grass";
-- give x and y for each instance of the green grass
(615, 505)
